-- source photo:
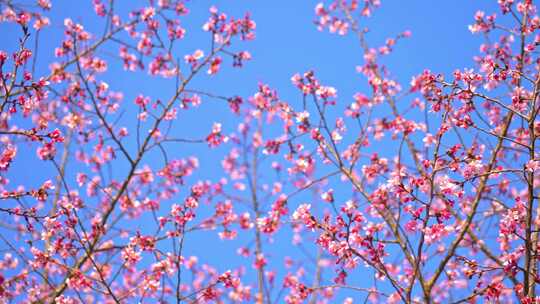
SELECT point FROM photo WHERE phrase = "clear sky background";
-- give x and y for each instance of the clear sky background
(287, 42)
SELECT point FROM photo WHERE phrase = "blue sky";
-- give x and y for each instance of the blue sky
(287, 43)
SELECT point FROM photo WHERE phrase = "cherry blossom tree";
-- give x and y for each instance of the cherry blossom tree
(449, 214)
